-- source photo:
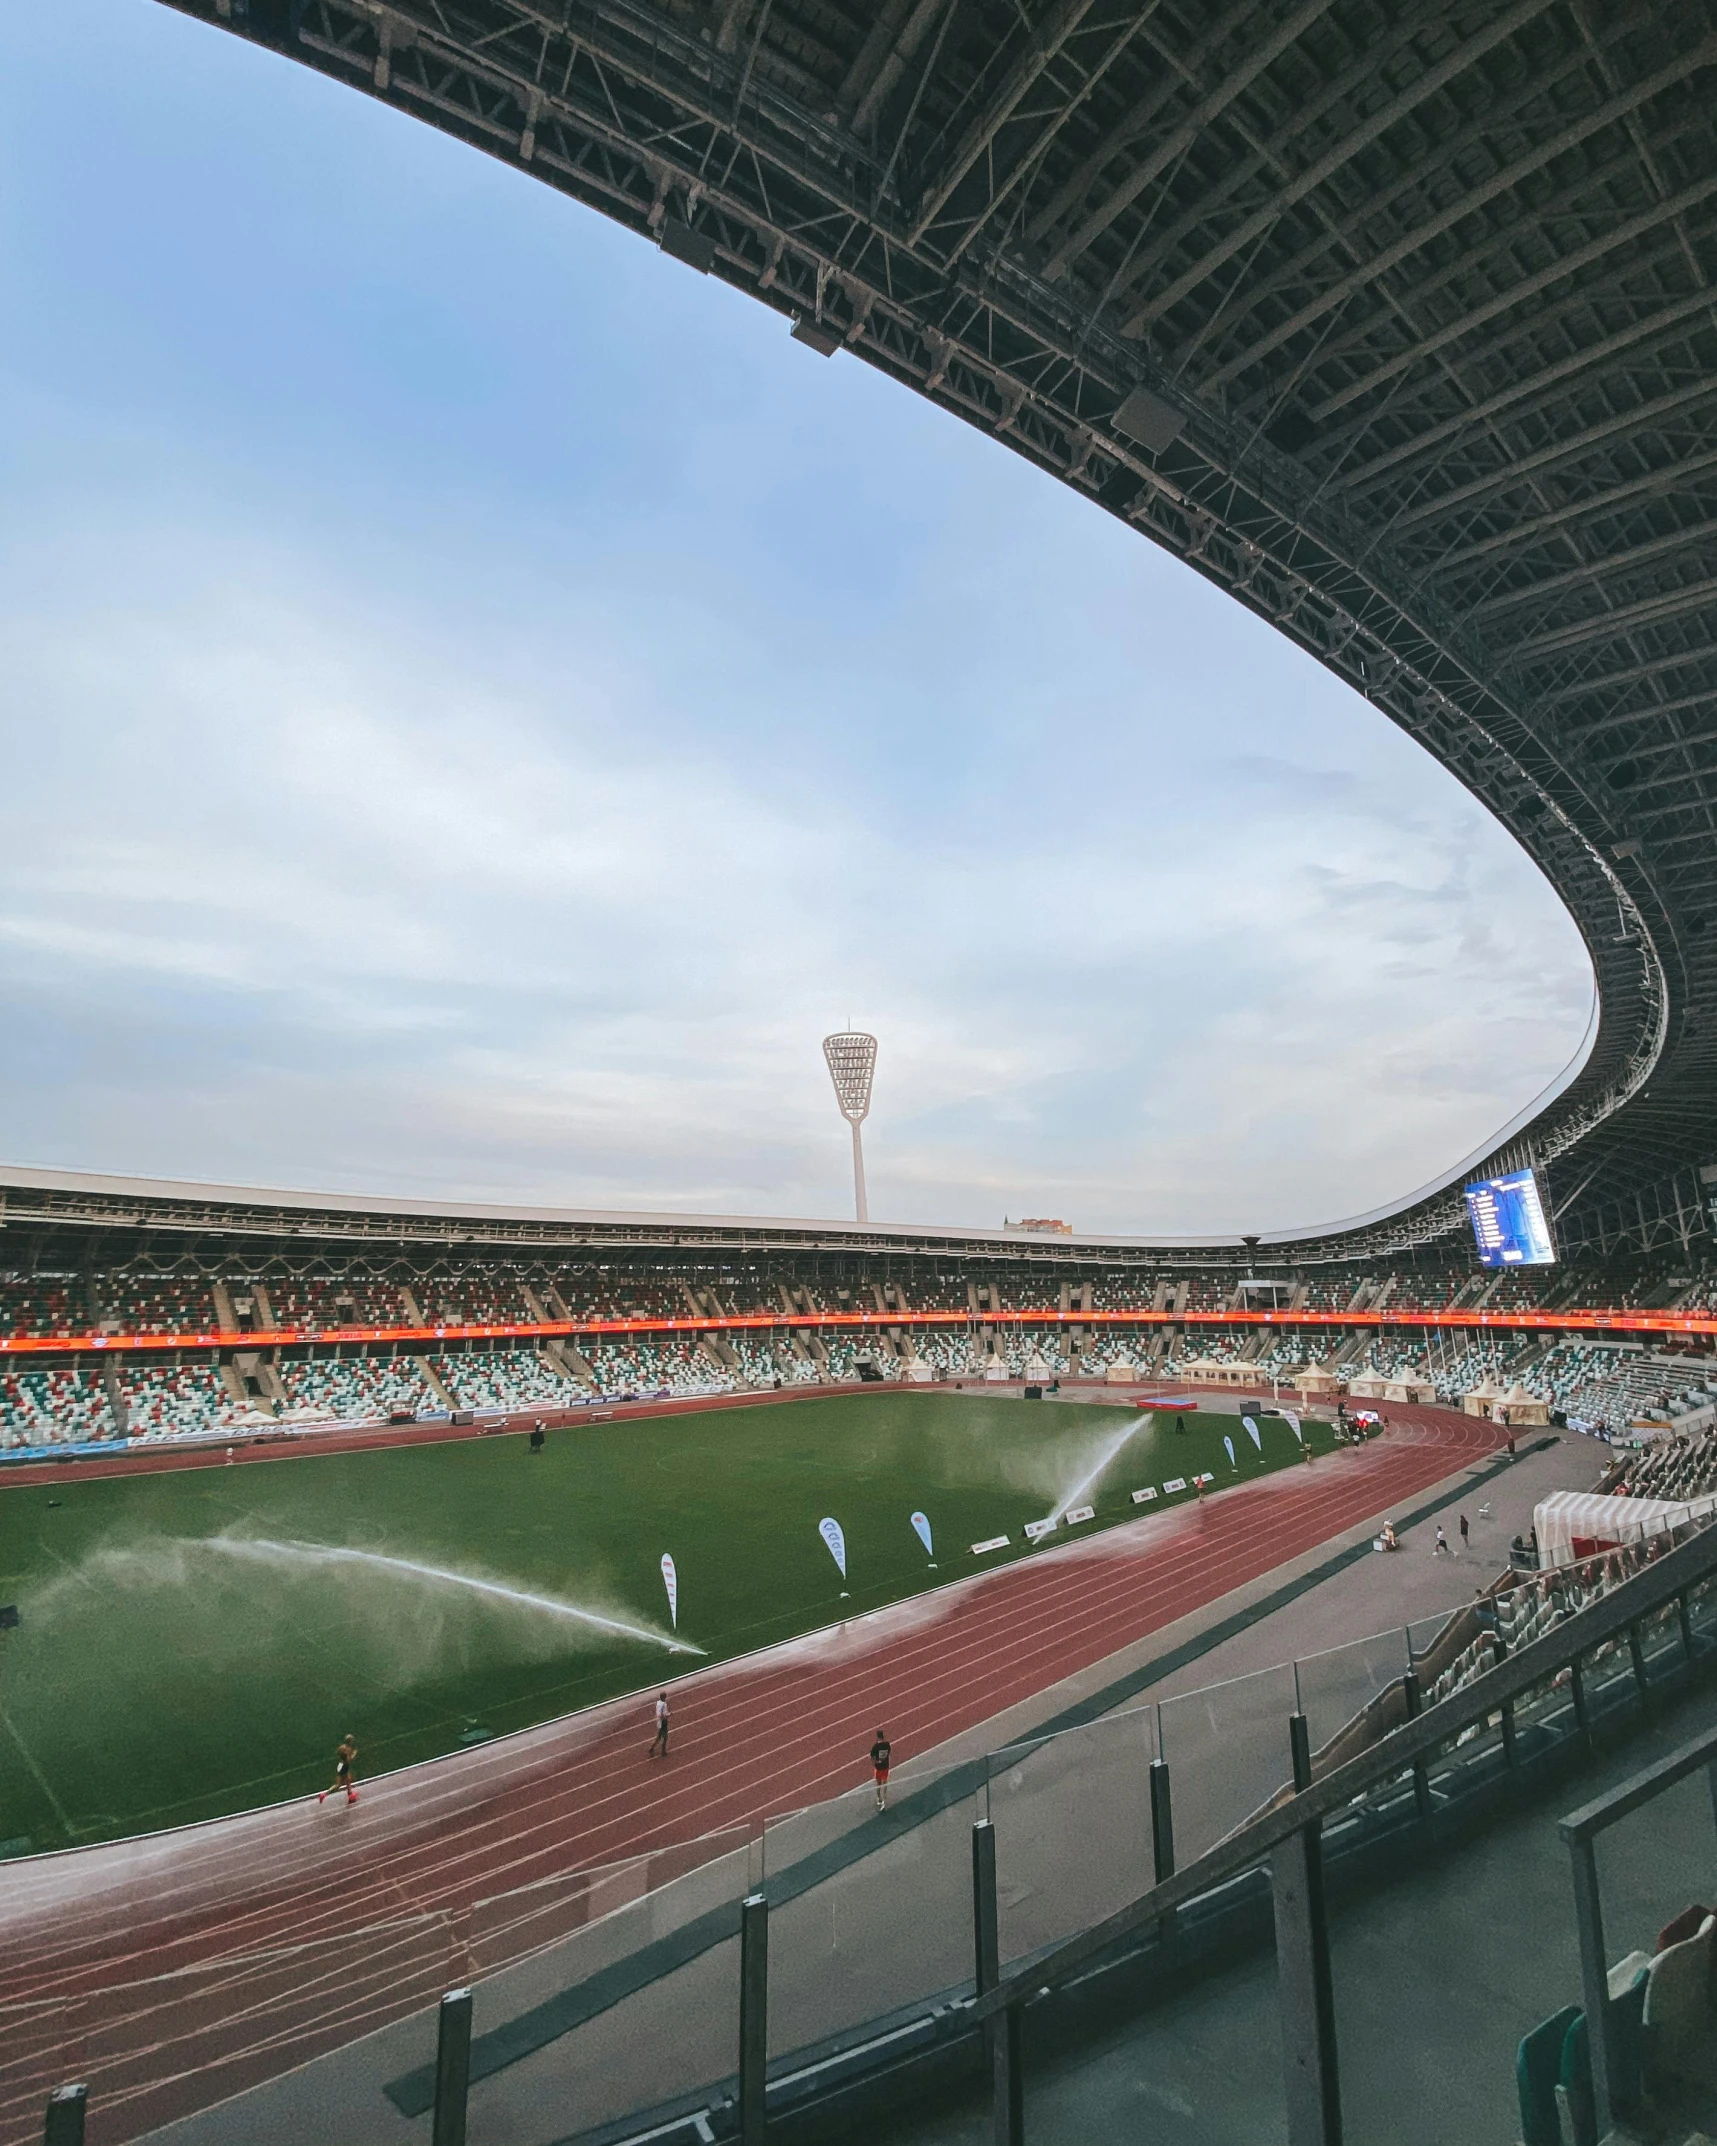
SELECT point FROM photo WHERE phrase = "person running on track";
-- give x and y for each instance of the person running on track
(659, 1745)
(345, 1759)
(879, 1757)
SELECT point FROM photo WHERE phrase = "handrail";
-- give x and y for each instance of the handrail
(1591, 1818)
(1414, 1741)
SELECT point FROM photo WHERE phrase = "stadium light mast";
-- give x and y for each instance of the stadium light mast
(851, 1059)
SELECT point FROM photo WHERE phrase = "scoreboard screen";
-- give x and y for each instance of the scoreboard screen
(1509, 1223)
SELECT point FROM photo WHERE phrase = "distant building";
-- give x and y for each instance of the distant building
(1050, 1226)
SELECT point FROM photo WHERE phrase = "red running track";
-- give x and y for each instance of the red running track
(155, 1968)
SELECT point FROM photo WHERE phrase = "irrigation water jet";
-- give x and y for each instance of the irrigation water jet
(1085, 1481)
(376, 1560)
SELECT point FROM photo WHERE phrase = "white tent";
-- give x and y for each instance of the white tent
(1368, 1386)
(1521, 1406)
(1318, 1378)
(1482, 1398)
(1411, 1385)
(1572, 1524)
(997, 1372)
(1036, 1372)
(917, 1372)
(1121, 1373)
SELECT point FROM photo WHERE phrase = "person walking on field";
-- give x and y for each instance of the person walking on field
(1441, 1547)
(345, 1761)
(879, 1757)
(1464, 1531)
(659, 1746)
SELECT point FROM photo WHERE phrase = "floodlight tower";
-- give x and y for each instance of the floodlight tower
(852, 1065)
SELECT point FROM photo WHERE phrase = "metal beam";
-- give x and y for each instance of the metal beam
(1606, 681)
(1569, 264)
(1502, 182)
(1180, 138)
(1611, 625)
(1568, 449)
(1526, 387)
(1042, 46)
(1333, 160)
(1589, 571)
(1133, 124)
(1561, 520)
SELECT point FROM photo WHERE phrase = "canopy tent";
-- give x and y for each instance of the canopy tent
(1368, 1386)
(1572, 1524)
(1521, 1406)
(1412, 1384)
(1317, 1378)
(917, 1372)
(1121, 1373)
(1210, 1371)
(1482, 1398)
(1037, 1372)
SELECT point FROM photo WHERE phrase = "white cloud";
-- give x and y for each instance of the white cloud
(446, 758)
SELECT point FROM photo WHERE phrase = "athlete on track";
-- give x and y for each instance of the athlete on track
(660, 1741)
(345, 1760)
(879, 1758)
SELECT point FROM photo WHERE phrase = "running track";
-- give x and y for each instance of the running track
(172, 1972)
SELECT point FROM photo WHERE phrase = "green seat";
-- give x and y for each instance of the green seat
(1537, 2066)
(1627, 2016)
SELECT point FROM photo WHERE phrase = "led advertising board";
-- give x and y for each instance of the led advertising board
(1508, 1220)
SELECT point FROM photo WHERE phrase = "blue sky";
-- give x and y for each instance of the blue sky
(480, 703)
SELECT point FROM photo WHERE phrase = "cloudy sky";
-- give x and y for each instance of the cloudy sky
(479, 703)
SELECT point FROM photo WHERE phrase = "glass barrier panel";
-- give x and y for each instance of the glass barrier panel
(1660, 1641)
(1228, 1755)
(34, 2058)
(637, 2010)
(1072, 1815)
(1442, 1972)
(880, 1920)
(821, 1828)
(1351, 1695)
(680, 1882)
(155, 2049)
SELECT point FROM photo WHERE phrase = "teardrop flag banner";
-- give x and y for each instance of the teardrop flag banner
(1229, 1443)
(830, 1531)
(1293, 1423)
(921, 1528)
(1253, 1432)
(671, 1581)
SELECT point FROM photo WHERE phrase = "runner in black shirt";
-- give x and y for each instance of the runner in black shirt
(879, 1753)
(345, 1759)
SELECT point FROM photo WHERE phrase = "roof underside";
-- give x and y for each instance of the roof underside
(1395, 318)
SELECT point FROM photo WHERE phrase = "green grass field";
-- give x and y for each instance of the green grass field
(197, 1641)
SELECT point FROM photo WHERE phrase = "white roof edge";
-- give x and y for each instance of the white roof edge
(32, 1179)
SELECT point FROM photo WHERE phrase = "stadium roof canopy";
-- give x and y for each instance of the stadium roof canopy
(1397, 319)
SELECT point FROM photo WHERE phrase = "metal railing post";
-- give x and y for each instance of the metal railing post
(1685, 1621)
(986, 1924)
(1637, 1653)
(1162, 1821)
(1415, 1699)
(452, 2068)
(64, 2122)
(1162, 1834)
(1007, 2080)
(1305, 1995)
(1594, 1981)
(1300, 1751)
(1577, 1688)
(753, 2016)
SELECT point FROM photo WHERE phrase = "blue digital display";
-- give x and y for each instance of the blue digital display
(1508, 1222)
